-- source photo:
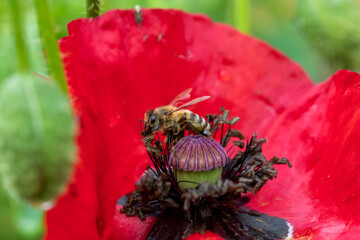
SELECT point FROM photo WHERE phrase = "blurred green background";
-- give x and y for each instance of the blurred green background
(321, 35)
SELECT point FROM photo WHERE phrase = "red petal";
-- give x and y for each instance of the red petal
(207, 236)
(320, 135)
(117, 70)
(131, 227)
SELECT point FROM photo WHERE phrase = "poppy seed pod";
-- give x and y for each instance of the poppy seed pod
(197, 159)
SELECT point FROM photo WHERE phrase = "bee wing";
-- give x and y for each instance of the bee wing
(192, 102)
(182, 96)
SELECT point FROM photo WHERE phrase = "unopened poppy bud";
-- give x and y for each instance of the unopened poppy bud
(197, 159)
(36, 139)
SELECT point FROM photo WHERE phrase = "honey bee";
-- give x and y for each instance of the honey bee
(174, 119)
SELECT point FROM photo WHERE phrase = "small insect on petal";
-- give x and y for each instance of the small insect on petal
(138, 15)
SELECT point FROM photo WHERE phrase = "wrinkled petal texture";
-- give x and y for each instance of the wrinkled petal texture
(320, 195)
(117, 70)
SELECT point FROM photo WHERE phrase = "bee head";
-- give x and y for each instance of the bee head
(152, 122)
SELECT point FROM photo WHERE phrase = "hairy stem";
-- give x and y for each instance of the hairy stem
(25, 69)
(18, 28)
(92, 8)
(49, 41)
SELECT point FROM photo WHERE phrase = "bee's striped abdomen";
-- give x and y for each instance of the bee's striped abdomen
(198, 119)
(192, 117)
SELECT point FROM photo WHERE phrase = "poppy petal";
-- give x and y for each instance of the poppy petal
(320, 135)
(117, 70)
(132, 226)
(206, 236)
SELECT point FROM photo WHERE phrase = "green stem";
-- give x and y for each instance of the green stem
(48, 38)
(25, 69)
(17, 20)
(242, 15)
(92, 8)
(27, 220)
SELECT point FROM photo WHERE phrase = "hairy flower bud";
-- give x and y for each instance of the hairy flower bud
(36, 139)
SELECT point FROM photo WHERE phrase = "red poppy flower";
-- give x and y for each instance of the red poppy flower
(117, 69)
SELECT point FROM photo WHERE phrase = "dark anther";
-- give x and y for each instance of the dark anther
(225, 116)
(234, 120)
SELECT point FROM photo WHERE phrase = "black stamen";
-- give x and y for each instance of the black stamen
(222, 132)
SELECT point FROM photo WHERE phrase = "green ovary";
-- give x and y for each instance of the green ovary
(193, 179)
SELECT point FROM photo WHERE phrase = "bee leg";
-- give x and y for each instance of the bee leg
(176, 129)
(157, 127)
(168, 138)
(178, 136)
(181, 134)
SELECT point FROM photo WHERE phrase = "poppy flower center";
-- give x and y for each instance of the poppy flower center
(194, 185)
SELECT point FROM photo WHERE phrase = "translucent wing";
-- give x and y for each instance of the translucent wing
(182, 96)
(192, 102)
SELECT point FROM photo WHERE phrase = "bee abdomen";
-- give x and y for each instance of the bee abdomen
(192, 117)
(198, 119)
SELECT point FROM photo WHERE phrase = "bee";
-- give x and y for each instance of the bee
(174, 119)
